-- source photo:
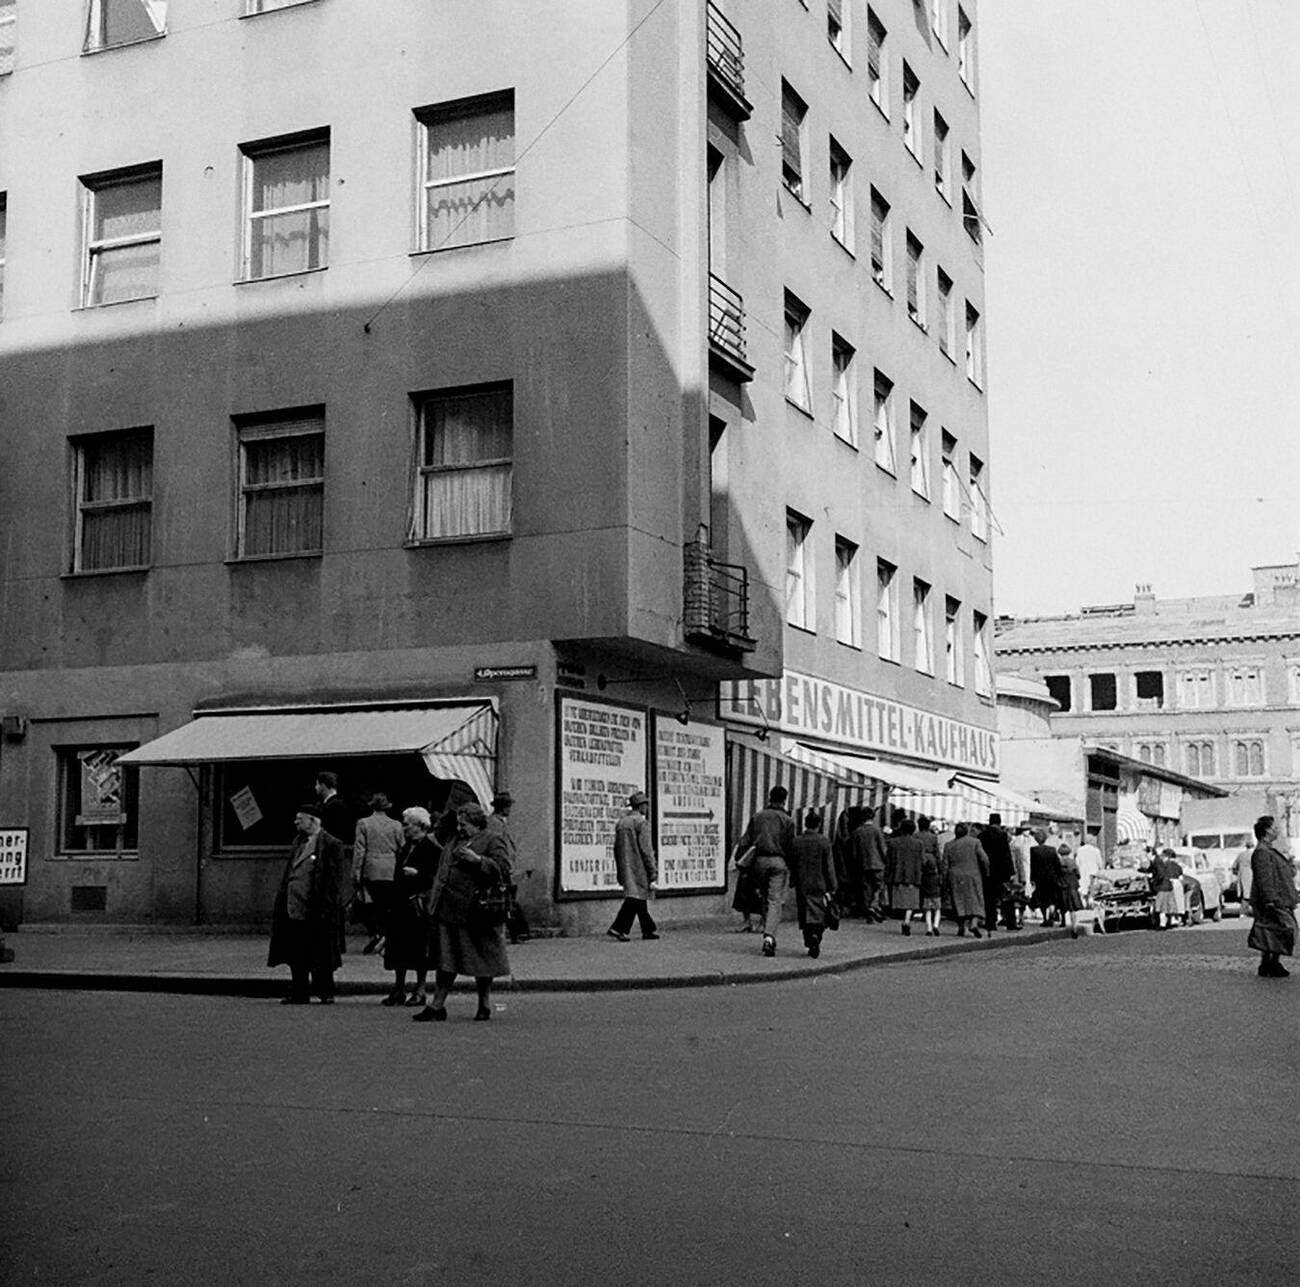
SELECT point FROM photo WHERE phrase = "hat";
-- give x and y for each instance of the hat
(312, 808)
(637, 799)
(503, 797)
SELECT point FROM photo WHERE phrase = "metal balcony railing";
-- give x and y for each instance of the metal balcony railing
(727, 319)
(717, 599)
(725, 54)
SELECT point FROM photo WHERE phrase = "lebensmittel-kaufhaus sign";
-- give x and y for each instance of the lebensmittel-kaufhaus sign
(601, 761)
(13, 856)
(804, 706)
(690, 799)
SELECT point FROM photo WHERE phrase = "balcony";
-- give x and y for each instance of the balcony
(716, 600)
(727, 330)
(725, 55)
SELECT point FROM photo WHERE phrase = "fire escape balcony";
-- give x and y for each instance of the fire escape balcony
(725, 55)
(716, 601)
(727, 330)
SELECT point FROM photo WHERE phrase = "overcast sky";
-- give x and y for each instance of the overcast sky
(1140, 173)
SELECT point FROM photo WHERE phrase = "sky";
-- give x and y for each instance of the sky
(1140, 171)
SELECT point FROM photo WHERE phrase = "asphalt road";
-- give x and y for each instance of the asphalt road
(1116, 1110)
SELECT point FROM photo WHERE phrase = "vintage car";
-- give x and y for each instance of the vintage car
(1205, 884)
(1122, 893)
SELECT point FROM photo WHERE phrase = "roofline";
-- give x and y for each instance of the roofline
(1109, 645)
(1153, 770)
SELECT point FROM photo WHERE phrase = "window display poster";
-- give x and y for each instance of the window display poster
(101, 788)
(13, 856)
(690, 805)
(601, 761)
(244, 803)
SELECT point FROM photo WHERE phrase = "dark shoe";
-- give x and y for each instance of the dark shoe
(961, 931)
(482, 1014)
(295, 1001)
(975, 930)
(1280, 971)
(617, 935)
(394, 998)
(651, 935)
(1074, 931)
(815, 951)
(769, 945)
(430, 1015)
(907, 929)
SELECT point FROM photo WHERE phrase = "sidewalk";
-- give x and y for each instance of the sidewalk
(154, 959)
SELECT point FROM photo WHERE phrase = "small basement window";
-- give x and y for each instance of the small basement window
(1102, 692)
(1059, 687)
(1150, 686)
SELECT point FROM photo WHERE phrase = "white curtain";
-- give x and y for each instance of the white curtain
(284, 515)
(462, 213)
(292, 242)
(116, 491)
(467, 502)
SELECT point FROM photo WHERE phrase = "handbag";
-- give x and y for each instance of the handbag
(831, 913)
(491, 903)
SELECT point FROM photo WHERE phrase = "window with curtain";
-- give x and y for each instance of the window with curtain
(954, 657)
(847, 629)
(920, 462)
(911, 116)
(983, 663)
(941, 155)
(122, 222)
(467, 172)
(841, 196)
(951, 491)
(114, 487)
(8, 35)
(98, 801)
(798, 579)
(465, 467)
(287, 205)
(798, 386)
(794, 111)
(887, 627)
(837, 26)
(844, 392)
(923, 648)
(123, 22)
(943, 300)
(979, 510)
(915, 289)
(281, 484)
(883, 421)
(880, 240)
(974, 345)
(876, 65)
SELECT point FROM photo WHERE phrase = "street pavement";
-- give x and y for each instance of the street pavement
(1117, 1110)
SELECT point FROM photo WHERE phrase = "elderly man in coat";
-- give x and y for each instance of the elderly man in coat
(1272, 901)
(967, 869)
(307, 921)
(634, 855)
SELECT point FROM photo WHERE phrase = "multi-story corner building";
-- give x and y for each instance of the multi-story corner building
(455, 397)
(1208, 687)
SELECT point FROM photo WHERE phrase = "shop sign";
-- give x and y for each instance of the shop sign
(601, 760)
(690, 805)
(13, 856)
(499, 674)
(804, 706)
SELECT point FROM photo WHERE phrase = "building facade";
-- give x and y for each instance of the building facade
(1207, 688)
(466, 401)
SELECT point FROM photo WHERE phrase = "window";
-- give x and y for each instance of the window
(1152, 753)
(979, 508)
(718, 175)
(923, 649)
(915, 289)
(122, 220)
(954, 657)
(1102, 691)
(1198, 759)
(114, 487)
(1292, 670)
(464, 463)
(1149, 688)
(880, 249)
(8, 34)
(941, 156)
(837, 26)
(798, 571)
(1059, 687)
(4, 229)
(286, 205)
(99, 801)
(841, 196)
(939, 20)
(970, 213)
(847, 628)
(266, 6)
(974, 346)
(844, 390)
(1196, 689)
(877, 85)
(467, 172)
(887, 625)
(951, 488)
(794, 114)
(281, 484)
(920, 462)
(1248, 757)
(797, 385)
(965, 49)
(124, 22)
(943, 298)
(983, 662)
(883, 422)
(911, 119)
(1245, 686)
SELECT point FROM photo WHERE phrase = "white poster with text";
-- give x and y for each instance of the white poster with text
(690, 804)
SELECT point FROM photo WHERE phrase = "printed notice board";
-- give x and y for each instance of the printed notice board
(690, 805)
(13, 856)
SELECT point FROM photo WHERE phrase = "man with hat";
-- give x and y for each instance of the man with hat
(307, 918)
(498, 824)
(635, 856)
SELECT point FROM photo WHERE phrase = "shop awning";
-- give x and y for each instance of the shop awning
(455, 741)
(1011, 804)
(1132, 825)
(857, 767)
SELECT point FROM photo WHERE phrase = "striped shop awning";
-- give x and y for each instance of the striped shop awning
(1130, 824)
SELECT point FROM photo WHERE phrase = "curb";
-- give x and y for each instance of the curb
(273, 984)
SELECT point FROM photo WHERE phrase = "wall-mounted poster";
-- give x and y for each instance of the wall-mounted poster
(13, 856)
(690, 805)
(601, 760)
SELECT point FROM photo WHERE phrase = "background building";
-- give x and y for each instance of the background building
(455, 401)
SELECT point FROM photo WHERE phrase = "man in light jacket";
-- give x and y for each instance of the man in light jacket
(770, 834)
(634, 855)
(374, 860)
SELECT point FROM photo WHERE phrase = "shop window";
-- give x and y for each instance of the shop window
(281, 484)
(98, 802)
(1149, 686)
(123, 22)
(1102, 692)
(1059, 687)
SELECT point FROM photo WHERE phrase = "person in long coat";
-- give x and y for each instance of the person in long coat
(998, 889)
(406, 946)
(307, 916)
(931, 881)
(1042, 873)
(1167, 885)
(461, 941)
(638, 869)
(374, 862)
(812, 872)
(868, 848)
(1272, 901)
(1066, 879)
(904, 858)
(968, 867)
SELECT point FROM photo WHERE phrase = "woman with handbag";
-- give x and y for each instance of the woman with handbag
(468, 907)
(406, 946)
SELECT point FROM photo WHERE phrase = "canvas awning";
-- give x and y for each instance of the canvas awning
(455, 741)
(857, 767)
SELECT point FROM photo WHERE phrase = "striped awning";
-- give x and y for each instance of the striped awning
(456, 741)
(863, 768)
(1132, 825)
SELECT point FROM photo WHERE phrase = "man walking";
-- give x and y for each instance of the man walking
(771, 835)
(634, 855)
(868, 843)
(498, 824)
(1002, 871)
(374, 863)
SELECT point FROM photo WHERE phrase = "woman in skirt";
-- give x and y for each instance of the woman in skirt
(406, 945)
(904, 853)
(931, 884)
(1068, 898)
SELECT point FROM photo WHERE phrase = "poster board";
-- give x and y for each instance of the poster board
(602, 757)
(13, 856)
(690, 805)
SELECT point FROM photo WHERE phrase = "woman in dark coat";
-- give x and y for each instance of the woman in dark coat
(1272, 902)
(407, 944)
(812, 872)
(1066, 879)
(904, 854)
(968, 868)
(931, 877)
(460, 942)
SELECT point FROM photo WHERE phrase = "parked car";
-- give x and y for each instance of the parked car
(1122, 893)
(1206, 882)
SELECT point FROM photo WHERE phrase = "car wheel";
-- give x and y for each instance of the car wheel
(1217, 914)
